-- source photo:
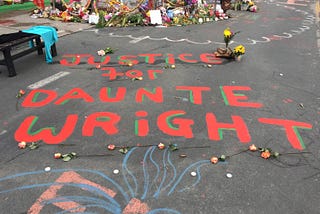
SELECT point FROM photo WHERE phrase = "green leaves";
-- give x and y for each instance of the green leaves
(173, 147)
(223, 158)
(109, 50)
(69, 156)
(33, 145)
(124, 150)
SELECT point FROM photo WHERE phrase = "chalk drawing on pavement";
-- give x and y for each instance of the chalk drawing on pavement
(160, 178)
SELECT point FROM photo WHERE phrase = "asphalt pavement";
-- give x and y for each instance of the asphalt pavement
(174, 109)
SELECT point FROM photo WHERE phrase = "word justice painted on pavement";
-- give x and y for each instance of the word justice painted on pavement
(171, 122)
(149, 58)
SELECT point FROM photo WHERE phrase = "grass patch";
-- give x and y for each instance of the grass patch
(27, 6)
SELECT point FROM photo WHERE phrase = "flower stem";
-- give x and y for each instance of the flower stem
(229, 156)
(195, 147)
(17, 104)
(95, 155)
(295, 153)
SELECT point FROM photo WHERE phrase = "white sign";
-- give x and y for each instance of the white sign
(155, 17)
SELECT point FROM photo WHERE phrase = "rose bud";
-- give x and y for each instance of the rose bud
(253, 148)
(57, 155)
(214, 160)
(22, 92)
(111, 147)
(265, 154)
(161, 146)
(22, 145)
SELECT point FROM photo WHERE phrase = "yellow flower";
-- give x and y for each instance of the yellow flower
(239, 50)
(227, 32)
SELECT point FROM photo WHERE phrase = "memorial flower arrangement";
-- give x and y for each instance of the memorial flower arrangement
(239, 51)
(227, 52)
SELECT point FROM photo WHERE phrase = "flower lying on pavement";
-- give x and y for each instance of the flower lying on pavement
(65, 157)
(20, 93)
(161, 146)
(111, 147)
(32, 146)
(18, 96)
(22, 145)
(265, 153)
(57, 155)
(214, 160)
(253, 148)
(103, 52)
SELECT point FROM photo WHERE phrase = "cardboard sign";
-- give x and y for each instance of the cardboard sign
(155, 17)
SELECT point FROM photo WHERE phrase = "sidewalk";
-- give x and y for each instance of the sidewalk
(11, 24)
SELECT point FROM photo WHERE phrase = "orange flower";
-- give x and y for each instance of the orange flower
(253, 148)
(214, 160)
(265, 154)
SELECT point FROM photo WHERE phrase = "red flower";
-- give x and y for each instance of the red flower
(111, 147)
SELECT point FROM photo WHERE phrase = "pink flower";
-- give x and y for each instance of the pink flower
(22, 145)
(111, 147)
(161, 146)
(107, 17)
(214, 160)
(57, 155)
(253, 148)
(101, 53)
(22, 92)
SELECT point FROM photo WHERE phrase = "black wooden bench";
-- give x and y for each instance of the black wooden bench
(9, 41)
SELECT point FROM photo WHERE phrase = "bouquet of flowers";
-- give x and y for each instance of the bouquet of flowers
(239, 50)
(227, 52)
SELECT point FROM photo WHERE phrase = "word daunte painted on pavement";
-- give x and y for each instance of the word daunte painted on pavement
(172, 122)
